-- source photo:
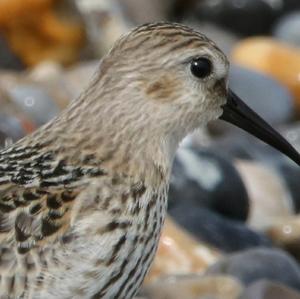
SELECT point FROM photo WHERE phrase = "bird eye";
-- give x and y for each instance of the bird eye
(201, 67)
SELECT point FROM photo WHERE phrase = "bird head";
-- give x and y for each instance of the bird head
(161, 81)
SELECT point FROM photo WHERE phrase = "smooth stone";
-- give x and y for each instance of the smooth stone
(194, 287)
(271, 57)
(285, 233)
(260, 263)
(220, 232)
(268, 195)
(245, 17)
(180, 253)
(287, 28)
(204, 179)
(264, 289)
(238, 145)
(35, 102)
(271, 99)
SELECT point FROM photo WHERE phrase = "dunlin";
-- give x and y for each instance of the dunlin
(83, 199)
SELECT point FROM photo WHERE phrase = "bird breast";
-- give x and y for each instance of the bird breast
(114, 241)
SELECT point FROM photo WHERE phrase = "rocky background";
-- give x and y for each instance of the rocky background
(233, 230)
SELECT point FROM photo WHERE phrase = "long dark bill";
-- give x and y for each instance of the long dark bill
(236, 112)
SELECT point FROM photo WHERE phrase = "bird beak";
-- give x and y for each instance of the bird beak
(236, 112)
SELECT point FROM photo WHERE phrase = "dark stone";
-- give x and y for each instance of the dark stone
(245, 17)
(224, 234)
(288, 5)
(260, 263)
(201, 178)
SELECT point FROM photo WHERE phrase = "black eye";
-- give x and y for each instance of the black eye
(201, 67)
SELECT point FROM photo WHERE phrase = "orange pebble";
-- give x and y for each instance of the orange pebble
(12, 10)
(276, 59)
(36, 32)
(180, 253)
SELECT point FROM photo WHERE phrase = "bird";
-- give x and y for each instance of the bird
(83, 198)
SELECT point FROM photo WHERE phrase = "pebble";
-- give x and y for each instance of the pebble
(194, 287)
(189, 185)
(271, 99)
(283, 173)
(269, 56)
(287, 29)
(42, 30)
(260, 263)
(224, 234)
(179, 253)
(285, 233)
(268, 195)
(237, 15)
(264, 289)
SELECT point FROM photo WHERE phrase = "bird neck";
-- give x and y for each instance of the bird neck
(122, 152)
(118, 133)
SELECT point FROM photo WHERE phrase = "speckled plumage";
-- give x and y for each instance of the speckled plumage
(83, 199)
